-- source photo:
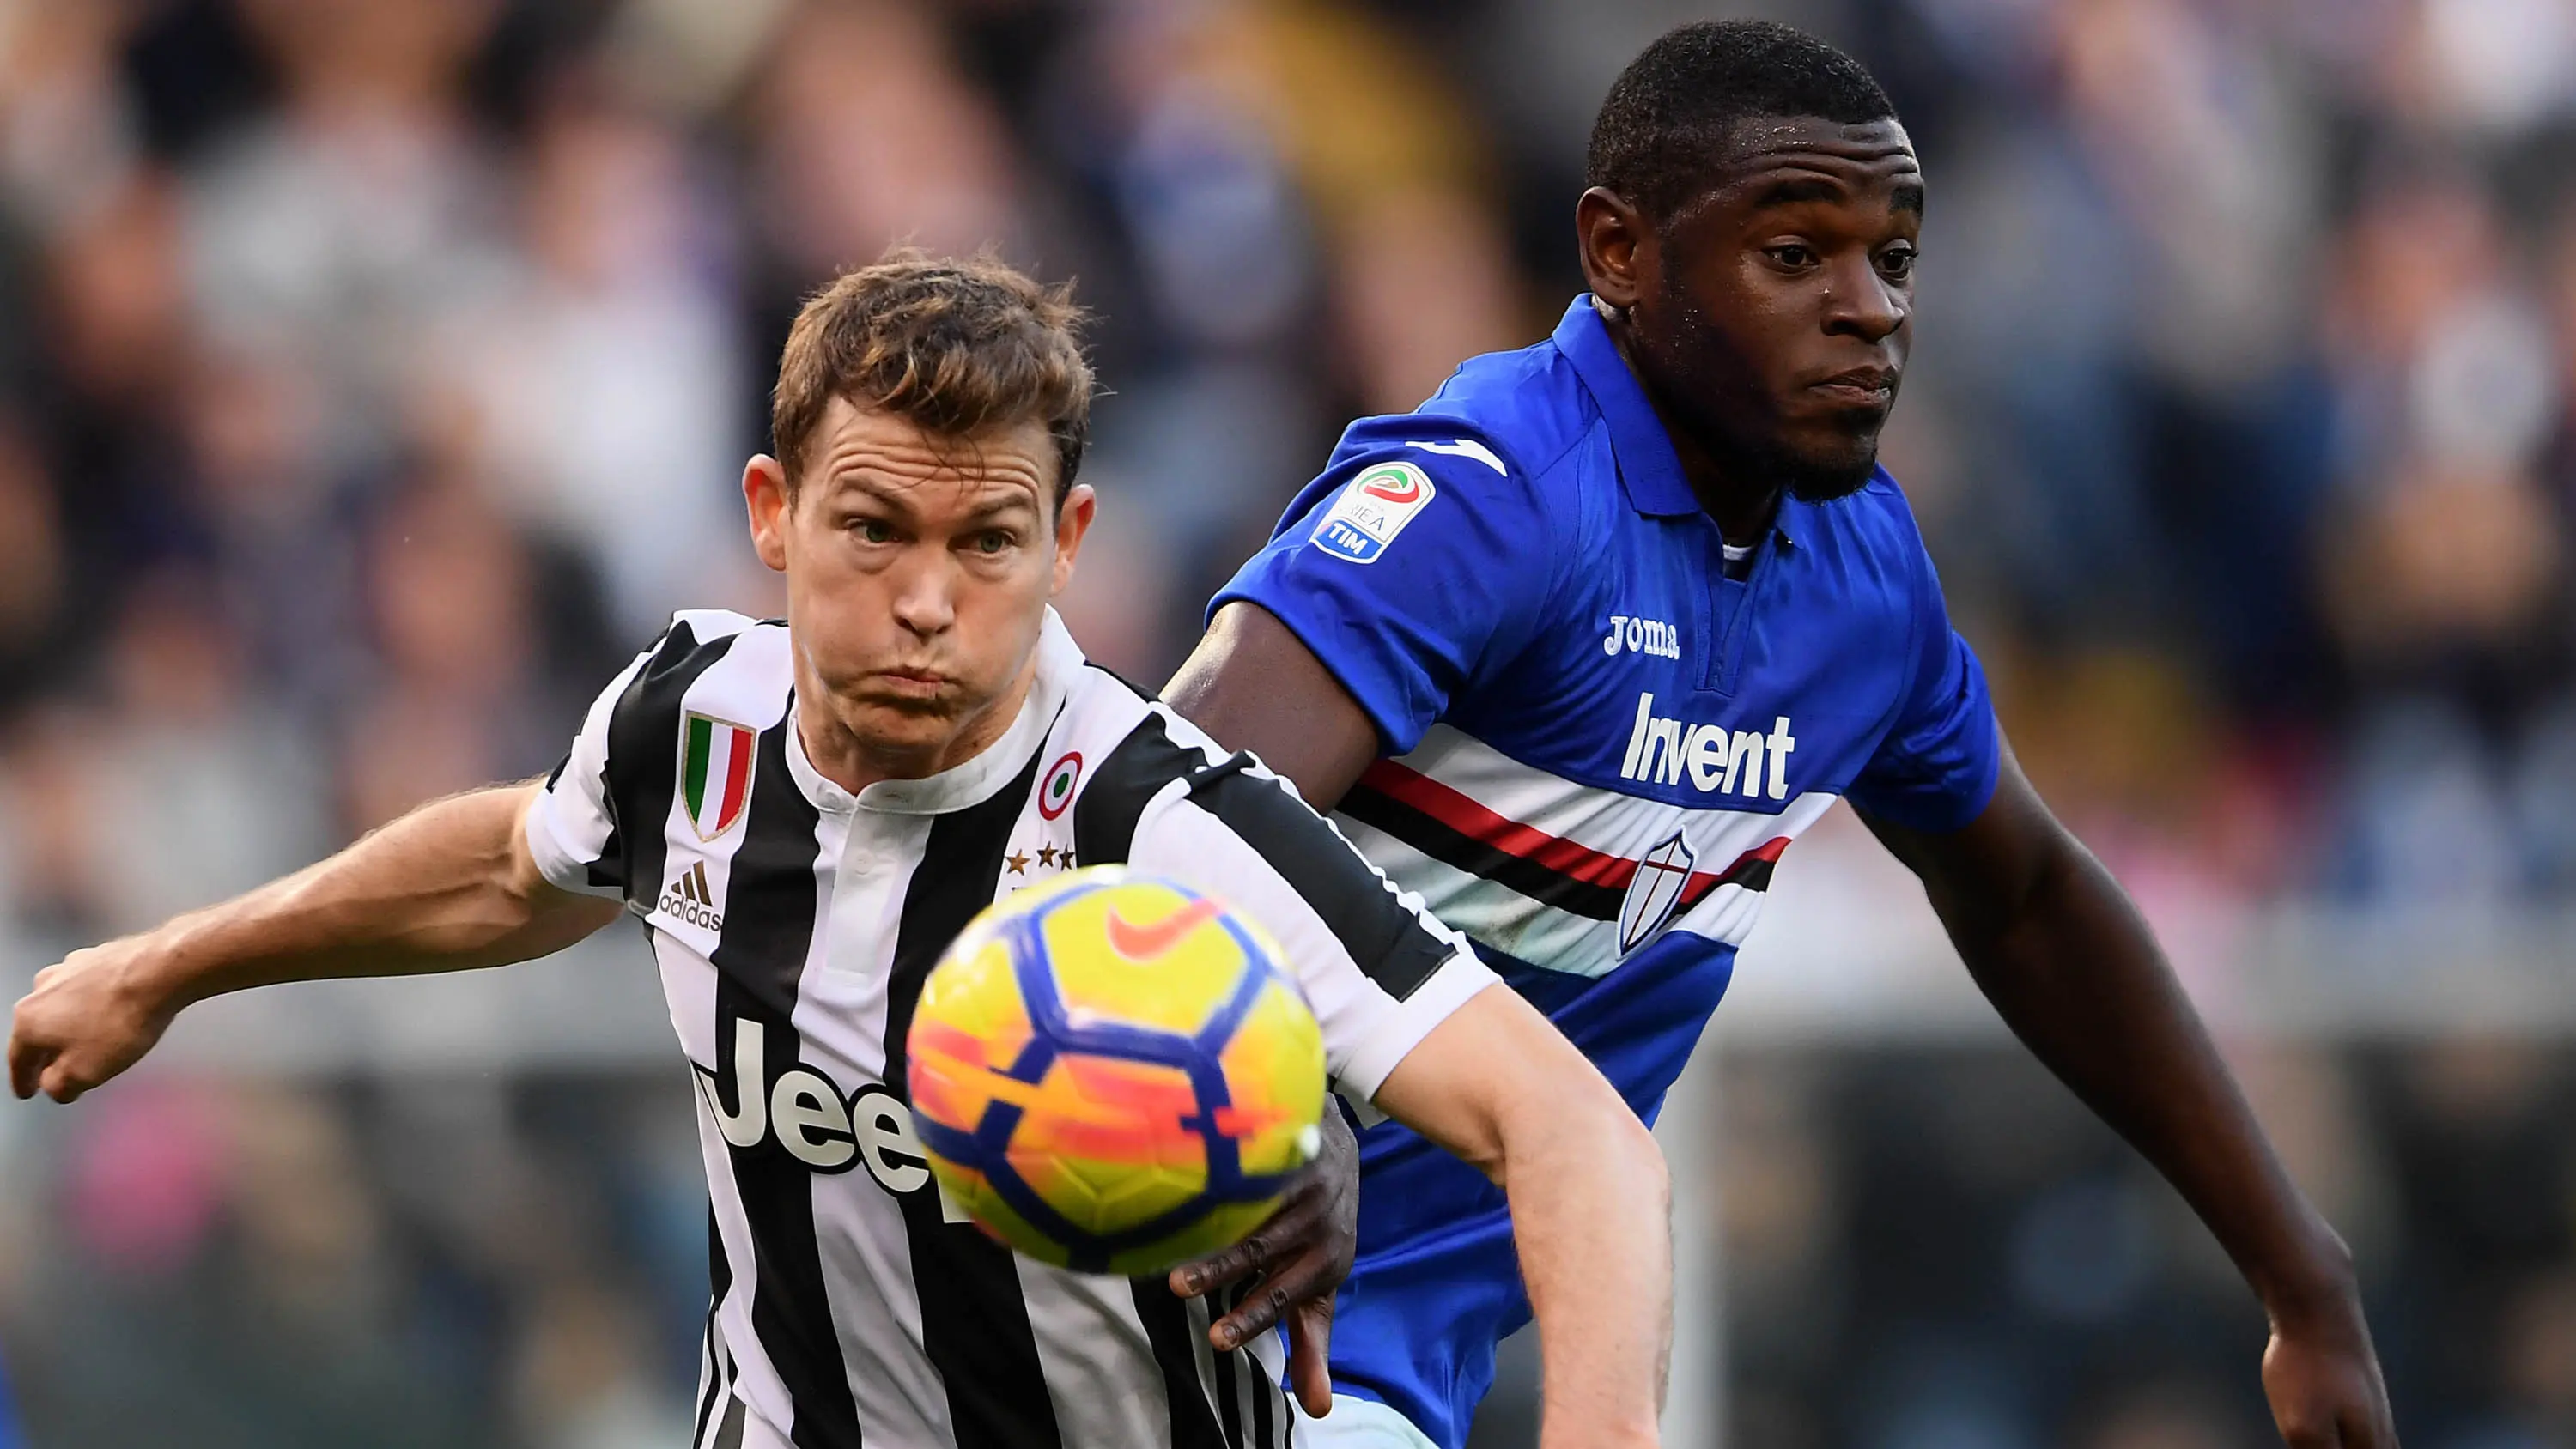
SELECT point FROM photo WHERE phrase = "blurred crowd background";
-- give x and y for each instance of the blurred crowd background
(375, 374)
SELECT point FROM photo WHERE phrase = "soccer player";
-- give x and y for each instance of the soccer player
(803, 814)
(1576, 649)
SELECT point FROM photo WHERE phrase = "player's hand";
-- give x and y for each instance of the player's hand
(2322, 1375)
(1302, 1254)
(88, 1018)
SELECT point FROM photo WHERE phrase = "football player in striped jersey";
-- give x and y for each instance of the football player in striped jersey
(804, 813)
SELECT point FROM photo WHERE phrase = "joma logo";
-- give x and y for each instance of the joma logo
(1642, 636)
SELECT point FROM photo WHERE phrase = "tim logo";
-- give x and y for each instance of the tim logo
(1373, 509)
(689, 899)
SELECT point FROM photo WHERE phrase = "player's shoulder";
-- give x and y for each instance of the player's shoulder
(1501, 417)
(1113, 751)
(1125, 737)
(706, 634)
(715, 663)
(1132, 745)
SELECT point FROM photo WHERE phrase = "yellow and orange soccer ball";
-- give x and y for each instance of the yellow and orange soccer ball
(1115, 1074)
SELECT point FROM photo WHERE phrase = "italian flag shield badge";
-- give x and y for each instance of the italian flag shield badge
(715, 772)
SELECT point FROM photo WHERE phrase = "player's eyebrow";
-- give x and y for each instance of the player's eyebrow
(1798, 190)
(1015, 501)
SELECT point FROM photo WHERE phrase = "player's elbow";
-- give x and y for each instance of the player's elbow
(1637, 1158)
(1575, 1123)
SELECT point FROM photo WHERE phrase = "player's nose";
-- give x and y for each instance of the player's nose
(925, 595)
(1858, 302)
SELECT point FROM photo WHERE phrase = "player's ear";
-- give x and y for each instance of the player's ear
(764, 493)
(1611, 235)
(1072, 520)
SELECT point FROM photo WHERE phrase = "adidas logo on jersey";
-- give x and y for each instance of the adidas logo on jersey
(689, 899)
(1642, 636)
(1661, 751)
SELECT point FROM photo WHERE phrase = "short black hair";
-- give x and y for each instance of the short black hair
(1670, 114)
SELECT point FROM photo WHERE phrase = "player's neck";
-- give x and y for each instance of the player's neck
(1740, 499)
(1742, 505)
(844, 753)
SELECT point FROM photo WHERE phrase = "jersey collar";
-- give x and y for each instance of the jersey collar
(1648, 467)
(976, 780)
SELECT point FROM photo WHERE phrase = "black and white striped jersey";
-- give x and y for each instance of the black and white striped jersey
(793, 924)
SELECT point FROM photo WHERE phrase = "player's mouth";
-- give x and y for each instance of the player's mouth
(1859, 387)
(911, 683)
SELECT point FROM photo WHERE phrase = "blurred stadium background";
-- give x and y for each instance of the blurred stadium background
(374, 373)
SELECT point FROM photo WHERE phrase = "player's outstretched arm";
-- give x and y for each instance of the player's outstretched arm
(1590, 1200)
(448, 887)
(2062, 953)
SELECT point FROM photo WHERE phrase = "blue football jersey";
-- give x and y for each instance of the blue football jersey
(1597, 746)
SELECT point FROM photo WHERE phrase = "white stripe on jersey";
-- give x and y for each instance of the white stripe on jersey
(791, 947)
(1609, 822)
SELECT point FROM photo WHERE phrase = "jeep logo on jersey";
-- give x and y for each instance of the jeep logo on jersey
(806, 1115)
(1373, 509)
(715, 772)
(1661, 751)
(690, 900)
(1657, 888)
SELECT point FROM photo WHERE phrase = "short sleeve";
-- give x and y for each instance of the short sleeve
(572, 824)
(1379, 970)
(1415, 559)
(1935, 768)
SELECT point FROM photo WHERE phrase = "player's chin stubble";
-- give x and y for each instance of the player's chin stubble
(1814, 481)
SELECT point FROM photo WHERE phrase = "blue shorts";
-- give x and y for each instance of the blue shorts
(1437, 1285)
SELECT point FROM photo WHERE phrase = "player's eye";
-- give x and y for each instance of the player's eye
(1897, 263)
(1794, 256)
(873, 530)
(992, 541)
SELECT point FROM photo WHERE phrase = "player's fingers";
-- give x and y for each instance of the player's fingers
(1291, 1285)
(2369, 1427)
(24, 1064)
(1208, 1274)
(1310, 1357)
(1286, 1230)
(1259, 1311)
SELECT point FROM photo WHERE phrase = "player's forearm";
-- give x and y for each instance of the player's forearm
(2078, 976)
(1498, 1086)
(1592, 1216)
(440, 889)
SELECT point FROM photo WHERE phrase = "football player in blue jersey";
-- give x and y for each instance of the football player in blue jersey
(1577, 647)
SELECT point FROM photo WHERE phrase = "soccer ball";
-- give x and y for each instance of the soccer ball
(1115, 1074)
